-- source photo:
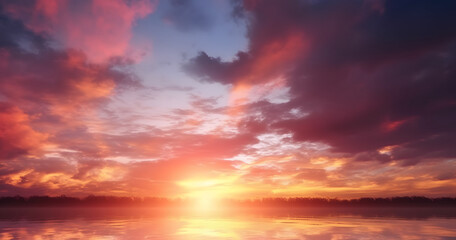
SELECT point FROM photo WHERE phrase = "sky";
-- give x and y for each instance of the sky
(218, 99)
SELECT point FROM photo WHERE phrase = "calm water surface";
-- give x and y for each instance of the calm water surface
(151, 224)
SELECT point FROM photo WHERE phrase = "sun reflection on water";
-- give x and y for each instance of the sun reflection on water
(150, 225)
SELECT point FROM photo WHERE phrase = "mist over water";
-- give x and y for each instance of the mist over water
(316, 224)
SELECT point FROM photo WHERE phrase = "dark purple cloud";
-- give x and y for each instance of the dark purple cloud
(373, 74)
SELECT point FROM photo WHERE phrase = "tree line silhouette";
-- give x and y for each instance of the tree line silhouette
(292, 202)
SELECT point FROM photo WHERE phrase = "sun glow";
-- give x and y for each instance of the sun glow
(206, 194)
(205, 202)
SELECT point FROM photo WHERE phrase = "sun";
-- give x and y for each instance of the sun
(205, 202)
(205, 195)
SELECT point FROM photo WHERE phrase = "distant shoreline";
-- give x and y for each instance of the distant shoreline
(132, 212)
(260, 203)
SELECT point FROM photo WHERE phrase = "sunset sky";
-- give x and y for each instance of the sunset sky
(221, 98)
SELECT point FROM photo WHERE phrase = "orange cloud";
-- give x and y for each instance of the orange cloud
(17, 137)
(264, 74)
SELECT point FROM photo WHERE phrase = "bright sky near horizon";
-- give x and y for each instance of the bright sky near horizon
(228, 98)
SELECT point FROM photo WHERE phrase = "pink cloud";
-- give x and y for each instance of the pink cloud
(102, 29)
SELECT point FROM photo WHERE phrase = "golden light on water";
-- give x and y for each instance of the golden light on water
(241, 226)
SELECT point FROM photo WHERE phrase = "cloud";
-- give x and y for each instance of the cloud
(78, 170)
(16, 136)
(48, 97)
(52, 176)
(32, 71)
(48, 89)
(368, 109)
(55, 137)
(102, 29)
(212, 69)
(188, 15)
(365, 75)
(311, 174)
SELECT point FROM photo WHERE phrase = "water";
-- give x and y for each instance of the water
(332, 224)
